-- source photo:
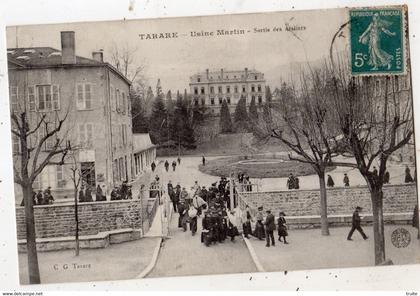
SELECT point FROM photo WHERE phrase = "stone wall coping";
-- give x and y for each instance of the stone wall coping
(66, 204)
(100, 235)
(328, 189)
(347, 215)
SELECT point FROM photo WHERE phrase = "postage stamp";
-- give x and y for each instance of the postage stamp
(377, 41)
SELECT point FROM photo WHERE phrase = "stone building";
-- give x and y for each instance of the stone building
(94, 98)
(210, 88)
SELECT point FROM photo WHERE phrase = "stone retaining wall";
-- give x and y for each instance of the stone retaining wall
(341, 201)
(58, 220)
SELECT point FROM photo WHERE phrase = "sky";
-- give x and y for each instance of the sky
(174, 60)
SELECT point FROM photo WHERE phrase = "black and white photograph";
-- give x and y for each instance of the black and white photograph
(212, 145)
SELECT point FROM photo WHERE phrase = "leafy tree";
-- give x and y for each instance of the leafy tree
(241, 116)
(182, 127)
(139, 119)
(225, 119)
(158, 122)
(253, 112)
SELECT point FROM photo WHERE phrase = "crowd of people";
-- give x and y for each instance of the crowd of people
(41, 197)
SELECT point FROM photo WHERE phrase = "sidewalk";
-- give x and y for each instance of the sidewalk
(183, 254)
(308, 249)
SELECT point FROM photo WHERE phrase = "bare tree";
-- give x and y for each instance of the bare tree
(30, 161)
(376, 120)
(303, 123)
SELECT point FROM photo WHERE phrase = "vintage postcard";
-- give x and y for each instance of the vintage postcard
(213, 145)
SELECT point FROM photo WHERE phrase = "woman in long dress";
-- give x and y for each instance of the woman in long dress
(372, 36)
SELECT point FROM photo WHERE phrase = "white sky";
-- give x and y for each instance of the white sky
(174, 60)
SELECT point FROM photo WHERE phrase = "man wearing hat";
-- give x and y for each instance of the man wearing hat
(356, 224)
(270, 226)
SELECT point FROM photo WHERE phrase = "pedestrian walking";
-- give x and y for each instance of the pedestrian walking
(330, 181)
(259, 226)
(40, 198)
(199, 204)
(203, 160)
(153, 165)
(346, 180)
(173, 165)
(408, 177)
(166, 165)
(387, 177)
(356, 224)
(183, 215)
(291, 181)
(247, 218)
(192, 217)
(179, 160)
(282, 227)
(99, 195)
(375, 171)
(270, 226)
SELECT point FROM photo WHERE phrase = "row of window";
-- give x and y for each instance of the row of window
(228, 89)
(226, 77)
(220, 100)
(119, 168)
(120, 135)
(40, 97)
(119, 100)
(44, 98)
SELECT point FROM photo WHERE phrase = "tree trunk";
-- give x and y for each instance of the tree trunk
(378, 225)
(33, 268)
(324, 213)
(76, 217)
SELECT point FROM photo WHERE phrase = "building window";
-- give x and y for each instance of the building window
(228, 89)
(252, 88)
(220, 90)
(123, 103)
(60, 176)
(14, 97)
(228, 100)
(202, 91)
(256, 77)
(84, 96)
(31, 98)
(259, 100)
(48, 97)
(212, 89)
(124, 134)
(112, 98)
(220, 101)
(196, 101)
(86, 135)
(117, 100)
(236, 89)
(198, 79)
(36, 185)
(259, 87)
(243, 88)
(121, 168)
(196, 90)
(212, 101)
(203, 101)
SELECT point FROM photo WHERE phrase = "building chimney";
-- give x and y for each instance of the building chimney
(246, 73)
(221, 75)
(207, 74)
(98, 56)
(68, 55)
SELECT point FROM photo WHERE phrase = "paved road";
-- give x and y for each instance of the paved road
(183, 254)
(188, 172)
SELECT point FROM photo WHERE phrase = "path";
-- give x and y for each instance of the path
(183, 254)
